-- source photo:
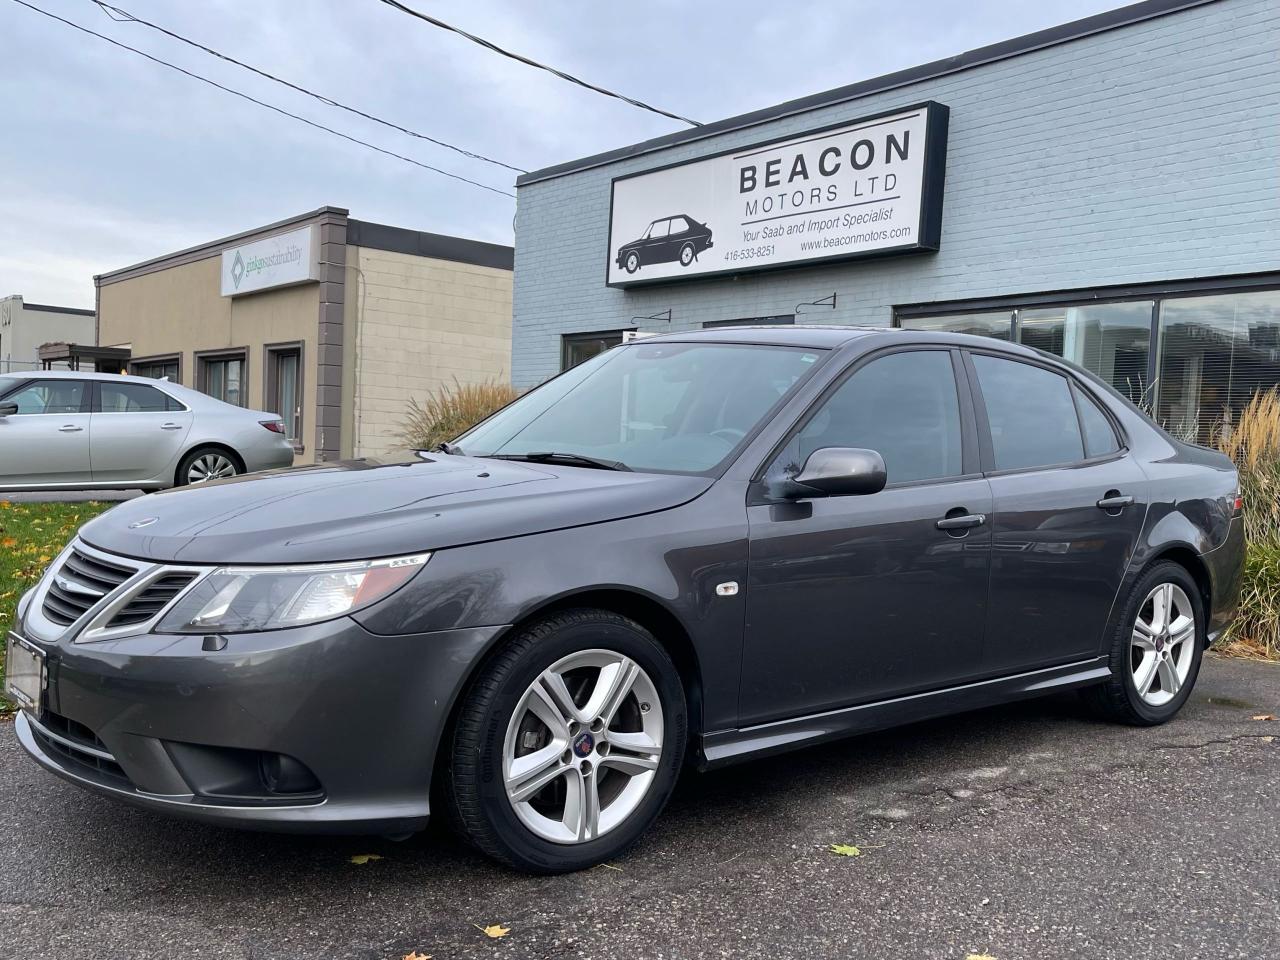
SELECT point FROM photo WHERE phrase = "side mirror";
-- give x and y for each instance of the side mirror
(840, 472)
(8, 409)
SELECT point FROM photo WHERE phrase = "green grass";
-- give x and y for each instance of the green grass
(31, 535)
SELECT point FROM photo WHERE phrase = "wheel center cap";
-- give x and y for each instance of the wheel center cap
(584, 744)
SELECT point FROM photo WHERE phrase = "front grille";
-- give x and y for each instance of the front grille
(79, 584)
(154, 598)
(73, 741)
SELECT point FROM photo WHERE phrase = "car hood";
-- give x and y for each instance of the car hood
(362, 509)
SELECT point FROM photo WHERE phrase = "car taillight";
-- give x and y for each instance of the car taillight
(1238, 504)
(275, 426)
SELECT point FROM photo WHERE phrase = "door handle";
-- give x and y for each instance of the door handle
(1115, 502)
(170, 426)
(963, 522)
(70, 428)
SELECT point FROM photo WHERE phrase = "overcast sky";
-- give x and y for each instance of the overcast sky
(108, 159)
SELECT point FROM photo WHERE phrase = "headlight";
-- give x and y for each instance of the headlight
(242, 599)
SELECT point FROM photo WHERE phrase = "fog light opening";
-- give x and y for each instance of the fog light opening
(283, 775)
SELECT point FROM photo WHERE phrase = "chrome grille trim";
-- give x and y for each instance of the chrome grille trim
(88, 608)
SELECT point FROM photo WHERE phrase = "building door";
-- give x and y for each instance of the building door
(860, 598)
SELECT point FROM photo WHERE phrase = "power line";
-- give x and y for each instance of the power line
(534, 63)
(124, 16)
(245, 96)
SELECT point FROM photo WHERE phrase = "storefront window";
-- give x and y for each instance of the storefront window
(159, 368)
(222, 377)
(994, 325)
(283, 371)
(578, 347)
(1215, 353)
(1111, 340)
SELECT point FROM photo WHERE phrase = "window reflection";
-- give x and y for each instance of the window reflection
(1111, 340)
(1215, 353)
(994, 325)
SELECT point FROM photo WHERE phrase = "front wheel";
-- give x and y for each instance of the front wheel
(632, 262)
(1155, 651)
(569, 744)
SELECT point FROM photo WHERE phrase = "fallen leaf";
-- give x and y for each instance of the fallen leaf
(846, 850)
(979, 956)
(416, 956)
(1267, 739)
(1264, 716)
(362, 858)
(493, 931)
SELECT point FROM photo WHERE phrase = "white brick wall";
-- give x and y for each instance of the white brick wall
(1148, 153)
(421, 322)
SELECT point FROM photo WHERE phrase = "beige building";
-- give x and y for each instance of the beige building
(331, 322)
(25, 326)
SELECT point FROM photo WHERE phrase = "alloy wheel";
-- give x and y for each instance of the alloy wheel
(582, 746)
(210, 466)
(1162, 648)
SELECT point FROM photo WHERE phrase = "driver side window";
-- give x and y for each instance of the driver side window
(904, 406)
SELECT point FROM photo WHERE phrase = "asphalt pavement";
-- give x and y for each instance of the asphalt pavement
(1027, 832)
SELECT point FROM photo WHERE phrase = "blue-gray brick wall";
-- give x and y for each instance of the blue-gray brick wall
(1147, 153)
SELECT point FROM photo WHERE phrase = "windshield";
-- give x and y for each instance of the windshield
(663, 407)
(7, 384)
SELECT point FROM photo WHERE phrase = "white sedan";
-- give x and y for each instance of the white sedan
(73, 430)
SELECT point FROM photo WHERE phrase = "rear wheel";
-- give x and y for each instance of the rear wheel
(207, 463)
(687, 253)
(569, 744)
(1156, 650)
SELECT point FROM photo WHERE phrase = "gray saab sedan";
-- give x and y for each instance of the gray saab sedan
(690, 550)
(105, 431)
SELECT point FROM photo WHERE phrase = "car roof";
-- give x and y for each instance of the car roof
(828, 336)
(84, 375)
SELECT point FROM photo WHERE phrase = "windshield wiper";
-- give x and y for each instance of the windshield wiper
(550, 456)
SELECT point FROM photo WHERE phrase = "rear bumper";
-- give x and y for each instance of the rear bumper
(1226, 570)
(161, 723)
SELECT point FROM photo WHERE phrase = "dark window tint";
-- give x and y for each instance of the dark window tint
(131, 398)
(1031, 412)
(903, 406)
(1099, 435)
(49, 396)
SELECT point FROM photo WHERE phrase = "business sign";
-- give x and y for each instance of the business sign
(279, 261)
(867, 188)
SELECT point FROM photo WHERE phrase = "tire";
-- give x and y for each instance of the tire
(207, 463)
(541, 832)
(687, 254)
(632, 262)
(1122, 698)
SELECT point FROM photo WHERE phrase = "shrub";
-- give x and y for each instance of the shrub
(451, 411)
(1253, 442)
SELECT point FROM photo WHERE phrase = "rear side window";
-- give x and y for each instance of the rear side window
(903, 406)
(131, 398)
(1031, 412)
(1099, 436)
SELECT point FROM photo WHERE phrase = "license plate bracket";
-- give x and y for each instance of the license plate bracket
(26, 676)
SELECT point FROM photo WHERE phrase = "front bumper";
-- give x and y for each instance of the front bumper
(162, 723)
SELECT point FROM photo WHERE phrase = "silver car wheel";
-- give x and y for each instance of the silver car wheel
(1162, 648)
(582, 746)
(686, 255)
(210, 466)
